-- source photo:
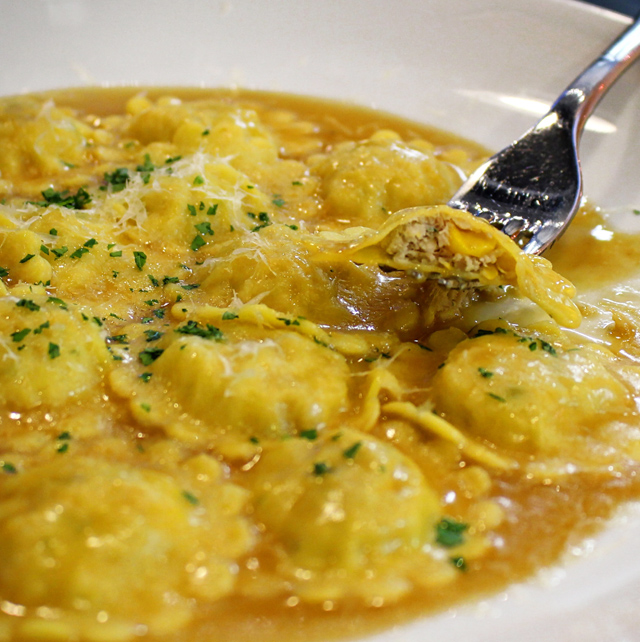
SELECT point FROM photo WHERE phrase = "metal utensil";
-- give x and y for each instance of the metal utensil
(532, 189)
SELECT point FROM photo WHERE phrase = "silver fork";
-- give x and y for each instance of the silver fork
(532, 189)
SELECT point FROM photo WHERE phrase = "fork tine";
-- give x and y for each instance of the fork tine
(532, 189)
(514, 226)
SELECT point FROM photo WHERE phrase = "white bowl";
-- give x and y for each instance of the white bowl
(484, 70)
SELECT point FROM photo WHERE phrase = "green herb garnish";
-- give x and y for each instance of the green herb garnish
(320, 468)
(149, 355)
(195, 329)
(28, 304)
(197, 243)
(117, 179)
(350, 452)
(64, 199)
(190, 497)
(140, 259)
(19, 335)
(449, 532)
(53, 350)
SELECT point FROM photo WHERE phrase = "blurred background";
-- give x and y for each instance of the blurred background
(630, 7)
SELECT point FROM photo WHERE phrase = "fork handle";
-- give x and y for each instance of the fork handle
(580, 98)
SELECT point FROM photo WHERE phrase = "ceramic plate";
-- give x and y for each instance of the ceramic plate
(484, 70)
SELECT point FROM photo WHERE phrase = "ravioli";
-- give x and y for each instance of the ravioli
(529, 396)
(321, 498)
(454, 246)
(86, 537)
(261, 386)
(42, 334)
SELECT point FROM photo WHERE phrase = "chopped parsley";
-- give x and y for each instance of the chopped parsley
(3, 272)
(26, 258)
(145, 169)
(450, 533)
(53, 350)
(117, 179)
(145, 376)
(19, 335)
(350, 452)
(484, 333)
(75, 201)
(547, 347)
(190, 497)
(41, 327)
(320, 468)
(263, 217)
(149, 355)
(8, 468)
(57, 301)
(153, 335)
(310, 434)
(533, 342)
(60, 251)
(197, 243)
(76, 254)
(212, 210)
(204, 228)
(140, 258)
(28, 304)
(487, 374)
(198, 180)
(195, 329)
(228, 316)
